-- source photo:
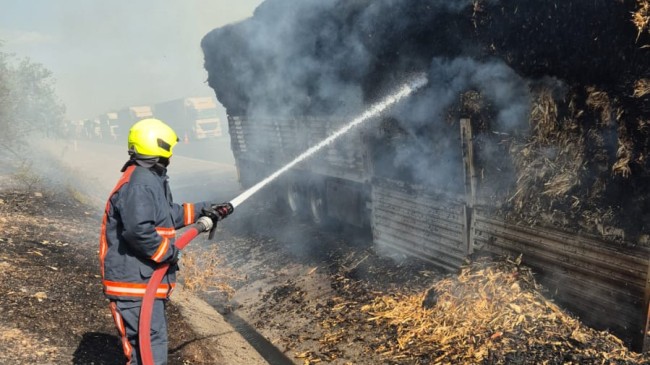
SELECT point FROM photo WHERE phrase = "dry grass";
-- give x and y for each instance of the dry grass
(641, 88)
(624, 153)
(26, 175)
(21, 347)
(610, 113)
(641, 17)
(600, 101)
(543, 117)
(488, 310)
(203, 270)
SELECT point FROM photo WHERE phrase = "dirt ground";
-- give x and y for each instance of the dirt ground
(313, 296)
(53, 309)
(298, 284)
(303, 296)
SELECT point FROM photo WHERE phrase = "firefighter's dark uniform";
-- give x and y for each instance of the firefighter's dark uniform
(138, 233)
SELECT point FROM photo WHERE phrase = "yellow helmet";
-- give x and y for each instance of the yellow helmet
(152, 138)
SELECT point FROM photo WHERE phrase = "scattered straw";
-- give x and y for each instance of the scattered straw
(641, 88)
(203, 270)
(641, 17)
(487, 313)
(600, 101)
(543, 116)
(624, 153)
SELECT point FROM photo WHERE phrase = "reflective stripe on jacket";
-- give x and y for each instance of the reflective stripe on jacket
(138, 232)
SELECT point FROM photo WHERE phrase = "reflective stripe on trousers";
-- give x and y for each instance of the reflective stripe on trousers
(126, 315)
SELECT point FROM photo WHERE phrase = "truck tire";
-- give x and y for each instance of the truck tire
(295, 198)
(318, 205)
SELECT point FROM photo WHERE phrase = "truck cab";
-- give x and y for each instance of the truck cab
(203, 113)
(192, 118)
(108, 127)
(126, 117)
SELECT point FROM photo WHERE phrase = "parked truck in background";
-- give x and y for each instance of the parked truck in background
(126, 117)
(108, 126)
(192, 118)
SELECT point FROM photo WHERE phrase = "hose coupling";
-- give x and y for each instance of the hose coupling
(204, 224)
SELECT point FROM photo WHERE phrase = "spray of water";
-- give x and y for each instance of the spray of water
(374, 111)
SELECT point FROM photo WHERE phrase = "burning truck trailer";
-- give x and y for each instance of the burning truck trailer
(530, 139)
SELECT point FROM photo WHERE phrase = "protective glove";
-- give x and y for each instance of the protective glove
(217, 212)
(222, 210)
(176, 257)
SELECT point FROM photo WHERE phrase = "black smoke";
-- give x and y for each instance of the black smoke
(330, 59)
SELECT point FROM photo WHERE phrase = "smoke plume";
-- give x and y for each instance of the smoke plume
(329, 59)
(312, 61)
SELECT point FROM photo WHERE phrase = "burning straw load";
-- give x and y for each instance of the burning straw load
(574, 168)
(553, 163)
(585, 164)
(490, 313)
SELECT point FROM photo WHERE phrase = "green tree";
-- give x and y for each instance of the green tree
(9, 132)
(28, 102)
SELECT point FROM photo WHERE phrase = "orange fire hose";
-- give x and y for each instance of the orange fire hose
(144, 326)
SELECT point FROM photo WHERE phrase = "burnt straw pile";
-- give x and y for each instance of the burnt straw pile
(557, 92)
(489, 313)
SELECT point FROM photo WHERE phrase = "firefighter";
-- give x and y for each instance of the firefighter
(137, 235)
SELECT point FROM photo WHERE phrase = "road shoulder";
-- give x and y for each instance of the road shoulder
(53, 308)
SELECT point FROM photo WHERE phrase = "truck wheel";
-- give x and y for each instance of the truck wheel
(317, 205)
(295, 198)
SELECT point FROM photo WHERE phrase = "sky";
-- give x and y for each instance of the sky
(106, 55)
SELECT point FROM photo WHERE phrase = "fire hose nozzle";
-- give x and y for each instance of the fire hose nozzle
(205, 223)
